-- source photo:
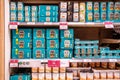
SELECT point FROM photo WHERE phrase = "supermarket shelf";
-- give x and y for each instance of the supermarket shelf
(88, 24)
(79, 24)
(95, 70)
(82, 68)
(28, 63)
(106, 79)
(110, 41)
(95, 60)
(38, 1)
(51, 1)
(70, 24)
(40, 24)
(71, 60)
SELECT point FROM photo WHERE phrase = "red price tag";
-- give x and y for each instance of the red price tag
(108, 25)
(53, 63)
(63, 25)
(13, 63)
(13, 25)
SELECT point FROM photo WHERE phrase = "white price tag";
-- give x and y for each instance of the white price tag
(13, 63)
(76, 60)
(87, 60)
(35, 63)
(13, 25)
(64, 63)
(109, 25)
(63, 25)
(31, 23)
(29, 63)
(47, 23)
(112, 60)
(96, 60)
(90, 23)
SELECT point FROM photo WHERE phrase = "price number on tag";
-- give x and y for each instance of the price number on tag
(63, 25)
(13, 63)
(13, 25)
(108, 25)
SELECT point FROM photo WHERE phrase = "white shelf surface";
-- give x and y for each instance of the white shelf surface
(70, 24)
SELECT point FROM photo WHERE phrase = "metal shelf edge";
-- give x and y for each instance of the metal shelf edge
(70, 24)
(72, 60)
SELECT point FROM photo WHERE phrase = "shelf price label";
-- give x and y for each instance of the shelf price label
(30, 23)
(53, 63)
(13, 63)
(112, 60)
(48, 23)
(87, 60)
(63, 25)
(104, 60)
(64, 63)
(13, 25)
(29, 63)
(35, 63)
(108, 25)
